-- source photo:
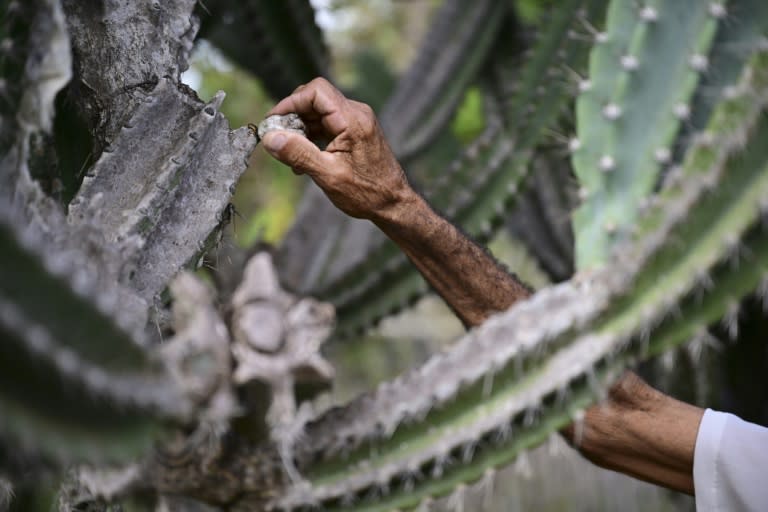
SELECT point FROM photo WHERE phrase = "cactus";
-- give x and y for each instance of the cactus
(614, 152)
(460, 38)
(83, 378)
(83, 293)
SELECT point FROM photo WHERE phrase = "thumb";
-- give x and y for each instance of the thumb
(294, 150)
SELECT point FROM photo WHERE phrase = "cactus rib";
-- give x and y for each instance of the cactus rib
(430, 90)
(627, 125)
(111, 385)
(188, 130)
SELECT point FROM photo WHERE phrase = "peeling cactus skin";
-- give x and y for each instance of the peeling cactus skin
(288, 122)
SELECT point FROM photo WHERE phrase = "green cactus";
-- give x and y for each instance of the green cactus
(455, 49)
(621, 152)
(671, 111)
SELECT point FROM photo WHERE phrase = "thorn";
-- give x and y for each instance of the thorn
(705, 139)
(717, 10)
(649, 14)
(731, 320)
(662, 155)
(468, 452)
(668, 360)
(488, 384)
(695, 348)
(574, 144)
(523, 466)
(762, 292)
(578, 427)
(426, 505)
(699, 62)
(585, 85)
(629, 63)
(583, 193)
(486, 487)
(529, 418)
(607, 163)
(681, 111)
(502, 433)
(703, 283)
(612, 111)
(457, 499)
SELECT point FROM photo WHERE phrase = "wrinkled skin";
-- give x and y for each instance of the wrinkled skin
(357, 169)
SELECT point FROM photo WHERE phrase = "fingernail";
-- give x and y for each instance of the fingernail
(274, 142)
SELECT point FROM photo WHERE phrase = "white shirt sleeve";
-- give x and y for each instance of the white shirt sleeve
(730, 464)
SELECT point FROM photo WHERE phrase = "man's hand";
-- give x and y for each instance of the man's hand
(357, 169)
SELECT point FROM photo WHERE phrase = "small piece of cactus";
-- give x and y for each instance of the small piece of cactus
(289, 122)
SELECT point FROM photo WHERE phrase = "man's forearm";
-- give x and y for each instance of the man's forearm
(472, 283)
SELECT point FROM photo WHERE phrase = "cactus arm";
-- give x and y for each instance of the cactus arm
(541, 217)
(627, 124)
(277, 41)
(730, 51)
(429, 92)
(157, 134)
(76, 385)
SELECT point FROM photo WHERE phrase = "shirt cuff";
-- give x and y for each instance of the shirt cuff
(705, 463)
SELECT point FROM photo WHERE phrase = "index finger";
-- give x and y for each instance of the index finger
(317, 101)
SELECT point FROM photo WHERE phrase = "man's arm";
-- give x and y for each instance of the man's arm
(361, 176)
(637, 431)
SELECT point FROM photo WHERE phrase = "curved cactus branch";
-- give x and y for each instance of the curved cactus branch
(454, 50)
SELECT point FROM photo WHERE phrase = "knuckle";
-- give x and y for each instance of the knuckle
(321, 83)
(368, 111)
